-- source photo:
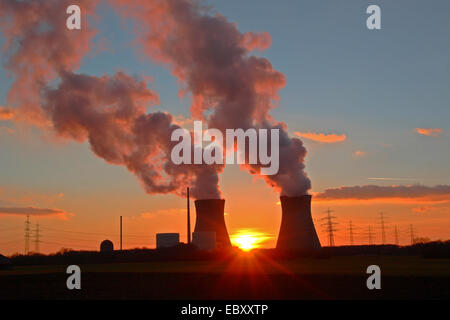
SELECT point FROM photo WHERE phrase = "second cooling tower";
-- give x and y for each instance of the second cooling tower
(210, 218)
(297, 230)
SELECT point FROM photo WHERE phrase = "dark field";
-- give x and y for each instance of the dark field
(244, 276)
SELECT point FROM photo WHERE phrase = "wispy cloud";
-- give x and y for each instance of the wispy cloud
(322, 137)
(394, 179)
(428, 209)
(28, 198)
(359, 154)
(429, 132)
(418, 193)
(32, 211)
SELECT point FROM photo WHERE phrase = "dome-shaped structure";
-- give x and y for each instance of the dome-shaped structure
(106, 246)
(5, 263)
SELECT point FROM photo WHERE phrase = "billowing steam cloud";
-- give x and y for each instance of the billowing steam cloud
(212, 60)
(39, 47)
(109, 112)
(208, 55)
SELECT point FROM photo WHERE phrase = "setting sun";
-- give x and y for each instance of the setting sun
(248, 239)
(245, 242)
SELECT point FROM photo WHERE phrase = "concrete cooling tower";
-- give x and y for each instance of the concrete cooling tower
(210, 218)
(297, 230)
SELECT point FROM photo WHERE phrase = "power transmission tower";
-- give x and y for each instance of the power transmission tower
(397, 242)
(329, 227)
(27, 235)
(350, 229)
(36, 238)
(383, 228)
(370, 236)
(411, 233)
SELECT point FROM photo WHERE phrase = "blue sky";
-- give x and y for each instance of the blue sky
(373, 86)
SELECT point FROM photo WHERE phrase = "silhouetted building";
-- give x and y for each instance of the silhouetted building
(297, 230)
(106, 246)
(5, 263)
(167, 240)
(210, 218)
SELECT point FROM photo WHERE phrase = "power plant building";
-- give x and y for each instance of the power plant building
(167, 240)
(210, 218)
(297, 231)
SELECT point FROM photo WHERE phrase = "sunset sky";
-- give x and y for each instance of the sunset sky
(372, 108)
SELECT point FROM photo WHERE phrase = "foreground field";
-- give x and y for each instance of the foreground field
(243, 277)
(249, 264)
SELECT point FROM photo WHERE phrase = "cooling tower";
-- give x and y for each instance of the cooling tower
(297, 230)
(210, 218)
(205, 240)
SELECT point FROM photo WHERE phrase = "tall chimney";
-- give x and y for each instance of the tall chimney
(188, 218)
(297, 230)
(210, 217)
(120, 233)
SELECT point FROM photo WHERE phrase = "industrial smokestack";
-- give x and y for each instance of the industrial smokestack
(210, 218)
(297, 230)
(188, 218)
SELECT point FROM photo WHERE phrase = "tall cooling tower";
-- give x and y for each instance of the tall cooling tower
(297, 230)
(210, 218)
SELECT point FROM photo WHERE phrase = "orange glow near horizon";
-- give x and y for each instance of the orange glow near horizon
(247, 239)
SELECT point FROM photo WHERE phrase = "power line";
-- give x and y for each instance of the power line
(12, 241)
(65, 245)
(75, 238)
(7, 236)
(78, 236)
(9, 229)
(80, 232)
(95, 233)
(67, 239)
(329, 227)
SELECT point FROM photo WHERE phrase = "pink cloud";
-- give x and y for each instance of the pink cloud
(322, 137)
(429, 132)
(253, 40)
